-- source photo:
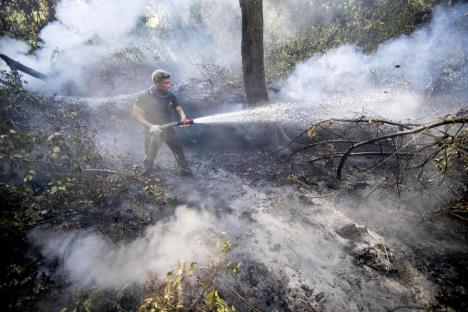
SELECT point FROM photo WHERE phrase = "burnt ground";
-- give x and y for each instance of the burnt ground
(306, 241)
(318, 245)
(310, 243)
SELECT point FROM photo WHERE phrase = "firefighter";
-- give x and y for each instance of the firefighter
(154, 108)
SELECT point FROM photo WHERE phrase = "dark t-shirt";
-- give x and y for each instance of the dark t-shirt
(158, 109)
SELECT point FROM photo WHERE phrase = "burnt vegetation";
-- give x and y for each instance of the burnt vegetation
(55, 175)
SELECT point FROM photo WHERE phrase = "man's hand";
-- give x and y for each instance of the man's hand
(155, 130)
(185, 122)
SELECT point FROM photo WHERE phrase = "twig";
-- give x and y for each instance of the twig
(213, 277)
(405, 307)
(361, 119)
(340, 155)
(235, 292)
(319, 143)
(102, 170)
(53, 218)
(118, 306)
(388, 258)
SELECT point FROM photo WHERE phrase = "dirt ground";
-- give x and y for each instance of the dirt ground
(306, 241)
(312, 244)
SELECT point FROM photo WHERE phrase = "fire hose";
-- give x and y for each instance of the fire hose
(185, 122)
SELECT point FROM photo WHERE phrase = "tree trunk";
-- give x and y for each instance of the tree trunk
(273, 135)
(252, 51)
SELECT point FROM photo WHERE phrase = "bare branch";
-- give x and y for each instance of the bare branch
(419, 129)
(340, 155)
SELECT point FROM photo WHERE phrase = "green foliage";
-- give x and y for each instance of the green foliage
(17, 278)
(24, 20)
(225, 246)
(186, 286)
(234, 267)
(215, 303)
(451, 158)
(34, 145)
(41, 161)
(172, 298)
(155, 189)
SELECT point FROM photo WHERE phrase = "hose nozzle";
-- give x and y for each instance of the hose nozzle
(185, 122)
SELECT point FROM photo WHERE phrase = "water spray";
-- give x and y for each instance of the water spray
(273, 113)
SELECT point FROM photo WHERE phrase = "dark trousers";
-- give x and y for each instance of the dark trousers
(153, 144)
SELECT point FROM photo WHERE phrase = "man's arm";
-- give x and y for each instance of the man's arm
(181, 113)
(137, 114)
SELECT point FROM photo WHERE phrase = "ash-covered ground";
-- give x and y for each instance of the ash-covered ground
(306, 241)
(309, 245)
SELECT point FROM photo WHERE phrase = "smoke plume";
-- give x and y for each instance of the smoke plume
(396, 80)
(89, 258)
(107, 38)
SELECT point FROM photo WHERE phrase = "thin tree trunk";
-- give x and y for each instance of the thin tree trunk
(252, 51)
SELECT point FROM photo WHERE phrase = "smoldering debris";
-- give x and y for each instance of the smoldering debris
(378, 257)
(288, 247)
(352, 231)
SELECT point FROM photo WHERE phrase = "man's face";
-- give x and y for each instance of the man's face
(164, 85)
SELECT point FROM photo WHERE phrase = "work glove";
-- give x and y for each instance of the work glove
(155, 130)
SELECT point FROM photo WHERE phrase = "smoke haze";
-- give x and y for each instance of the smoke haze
(89, 51)
(393, 81)
(92, 37)
(95, 40)
(292, 235)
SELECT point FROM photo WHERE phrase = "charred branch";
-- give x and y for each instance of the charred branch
(436, 124)
(436, 143)
(17, 66)
(340, 155)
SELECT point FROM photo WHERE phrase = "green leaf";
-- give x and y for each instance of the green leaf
(226, 246)
(54, 135)
(209, 298)
(190, 270)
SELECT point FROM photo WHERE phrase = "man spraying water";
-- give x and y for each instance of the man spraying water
(153, 109)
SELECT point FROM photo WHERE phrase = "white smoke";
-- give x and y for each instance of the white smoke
(91, 259)
(393, 81)
(278, 227)
(114, 45)
(285, 19)
(90, 36)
